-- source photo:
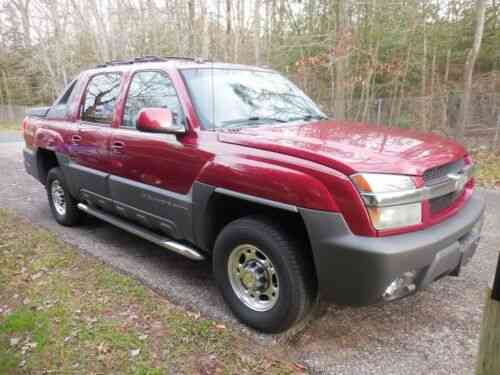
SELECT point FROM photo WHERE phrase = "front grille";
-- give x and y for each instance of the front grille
(439, 174)
(441, 203)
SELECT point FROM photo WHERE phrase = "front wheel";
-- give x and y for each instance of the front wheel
(264, 274)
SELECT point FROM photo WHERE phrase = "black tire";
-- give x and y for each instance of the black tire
(72, 215)
(294, 269)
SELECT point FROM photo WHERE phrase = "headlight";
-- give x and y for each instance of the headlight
(395, 216)
(379, 190)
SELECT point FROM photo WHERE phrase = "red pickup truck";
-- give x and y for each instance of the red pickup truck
(236, 164)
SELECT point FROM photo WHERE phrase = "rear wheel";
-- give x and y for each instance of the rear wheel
(62, 204)
(264, 274)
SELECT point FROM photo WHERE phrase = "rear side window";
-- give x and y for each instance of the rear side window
(150, 89)
(100, 98)
(59, 109)
(63, 100)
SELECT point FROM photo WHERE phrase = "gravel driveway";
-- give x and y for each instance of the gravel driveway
(433, 332)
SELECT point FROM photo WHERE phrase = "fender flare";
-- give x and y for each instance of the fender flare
(267, 182)
(49, 140)
(243, 180)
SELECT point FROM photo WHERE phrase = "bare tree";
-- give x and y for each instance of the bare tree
(191, 15)
(23, 7)
(205, 38)
(341, 60)
(345, 54)
(469, 67)
(256, 20)
(228, 28)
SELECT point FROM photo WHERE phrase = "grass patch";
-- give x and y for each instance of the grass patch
(25, 320)
(10, 126)
(121, 285)
(67, 313)
(488, 173)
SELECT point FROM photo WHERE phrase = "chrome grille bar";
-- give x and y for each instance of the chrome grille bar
(455, 182)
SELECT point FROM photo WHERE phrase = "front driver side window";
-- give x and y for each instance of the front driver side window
(150, 89)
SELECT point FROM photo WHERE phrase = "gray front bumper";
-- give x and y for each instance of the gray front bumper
(356, 270)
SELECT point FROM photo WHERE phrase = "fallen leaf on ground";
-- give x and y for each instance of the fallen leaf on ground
(103, 348)
(28, 347)
(36, 276)
(194, 315)
(299, 366)
(134, 352)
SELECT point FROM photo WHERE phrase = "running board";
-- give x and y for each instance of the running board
(164, 242)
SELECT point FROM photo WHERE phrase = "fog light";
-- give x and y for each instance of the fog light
(400, 287)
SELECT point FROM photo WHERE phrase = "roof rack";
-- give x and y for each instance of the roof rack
(114, 62)
(146, 59)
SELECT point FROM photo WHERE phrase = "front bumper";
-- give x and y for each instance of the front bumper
(356, 270)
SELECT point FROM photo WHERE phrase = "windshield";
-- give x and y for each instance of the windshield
(226, 98)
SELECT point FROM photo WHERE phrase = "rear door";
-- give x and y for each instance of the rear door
(93, 164)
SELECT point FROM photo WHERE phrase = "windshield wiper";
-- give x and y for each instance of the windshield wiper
(309, 118)
(249, 120)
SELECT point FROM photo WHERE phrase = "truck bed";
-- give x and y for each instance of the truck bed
(38, 112)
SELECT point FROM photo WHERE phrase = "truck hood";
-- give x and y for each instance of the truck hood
(352, 147)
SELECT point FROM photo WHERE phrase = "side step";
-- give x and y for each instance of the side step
(144, 233)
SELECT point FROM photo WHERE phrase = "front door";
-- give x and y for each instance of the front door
(92, 164)
(153, 173)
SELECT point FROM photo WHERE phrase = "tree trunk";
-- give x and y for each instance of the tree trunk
(228, 30)
(433, 82)
(217, 30)
(8, 100)
(191, 15)
(489, 344)
(341, 61)
(423, 109)
(205, 38)
(447, 68)
(23, 7)
(257, 31)
(469, 68)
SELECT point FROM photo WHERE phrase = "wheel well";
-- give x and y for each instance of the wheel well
(46, 160)
(224, 209)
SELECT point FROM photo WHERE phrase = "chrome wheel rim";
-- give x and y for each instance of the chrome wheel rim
(58, 198)
(253, 277)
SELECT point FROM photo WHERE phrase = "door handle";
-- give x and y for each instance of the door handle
(75, 139)
(117, 146)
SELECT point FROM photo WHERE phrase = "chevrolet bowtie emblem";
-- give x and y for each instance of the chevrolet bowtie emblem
(460, 179)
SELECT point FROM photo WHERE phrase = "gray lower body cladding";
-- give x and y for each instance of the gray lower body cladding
(30, 162)
(356, 270)
(158, 209)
